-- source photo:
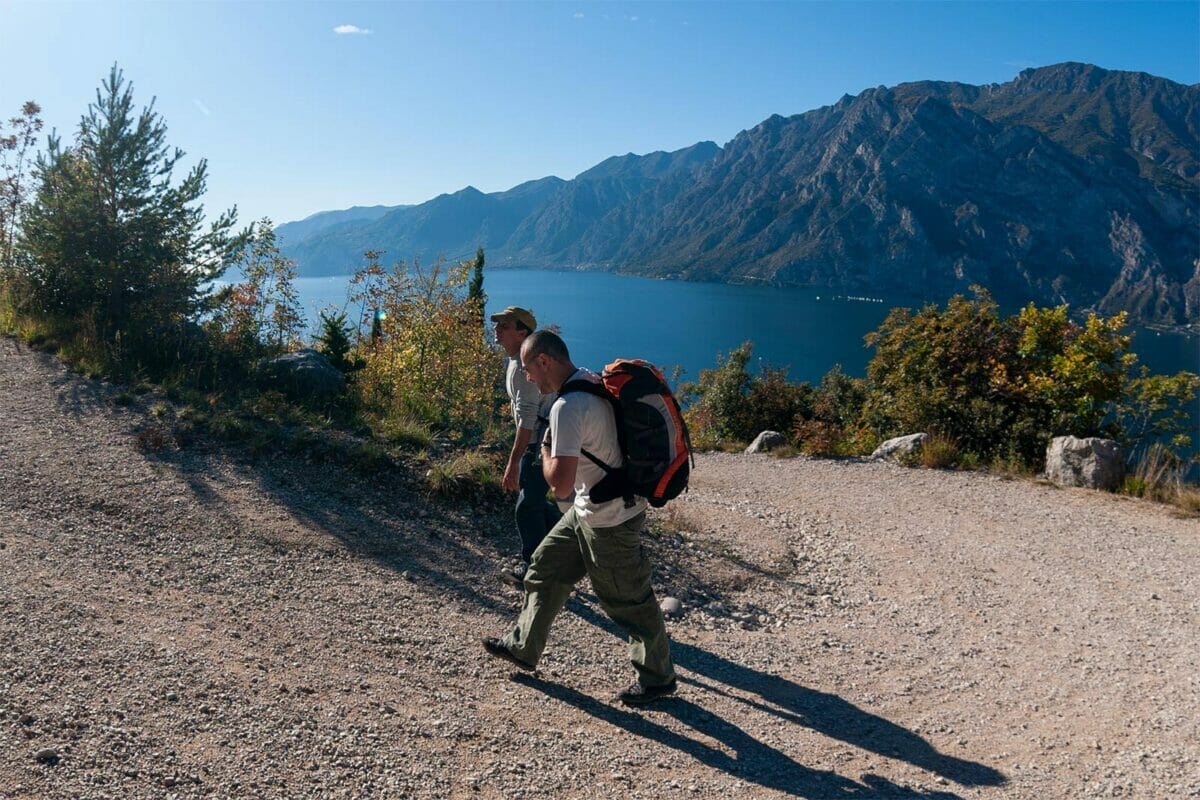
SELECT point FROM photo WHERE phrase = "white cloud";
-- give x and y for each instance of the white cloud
(203, 108)
(578, 15)
(341, 30)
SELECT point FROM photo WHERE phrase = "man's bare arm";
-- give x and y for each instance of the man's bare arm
(559, 473)
(513, 470)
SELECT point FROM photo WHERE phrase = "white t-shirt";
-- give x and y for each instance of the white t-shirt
(581, 421)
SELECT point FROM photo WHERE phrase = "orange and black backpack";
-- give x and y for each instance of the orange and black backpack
(653, 436)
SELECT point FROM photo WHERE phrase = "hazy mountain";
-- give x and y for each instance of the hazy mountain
(322, 220)
(1067, 184)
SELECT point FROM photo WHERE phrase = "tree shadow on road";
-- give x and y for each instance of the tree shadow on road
(822, 712)
(750, 760)
(383, 517)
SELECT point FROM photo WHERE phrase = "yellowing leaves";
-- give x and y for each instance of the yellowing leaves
(428, 356)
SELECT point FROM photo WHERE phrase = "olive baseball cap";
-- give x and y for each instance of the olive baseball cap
(516, 314)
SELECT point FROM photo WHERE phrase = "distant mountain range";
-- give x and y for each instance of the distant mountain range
(1069, 184)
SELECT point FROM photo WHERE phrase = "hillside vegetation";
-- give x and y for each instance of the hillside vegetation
(111, 267)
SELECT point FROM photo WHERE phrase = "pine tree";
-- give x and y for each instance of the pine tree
(334, 341)
(110, 239)
(475, 289)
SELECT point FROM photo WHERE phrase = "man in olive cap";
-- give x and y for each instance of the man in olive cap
(531, 411)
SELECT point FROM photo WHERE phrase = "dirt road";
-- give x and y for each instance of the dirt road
(191, 623)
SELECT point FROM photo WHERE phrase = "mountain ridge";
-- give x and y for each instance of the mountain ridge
(1068, 184)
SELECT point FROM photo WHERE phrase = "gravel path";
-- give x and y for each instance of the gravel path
(190, 623)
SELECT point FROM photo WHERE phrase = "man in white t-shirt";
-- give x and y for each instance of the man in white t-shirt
(599, 539)
(535, 515)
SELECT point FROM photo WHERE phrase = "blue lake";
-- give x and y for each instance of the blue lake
(677, 323)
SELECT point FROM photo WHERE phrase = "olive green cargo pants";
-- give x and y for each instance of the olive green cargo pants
(620, 573)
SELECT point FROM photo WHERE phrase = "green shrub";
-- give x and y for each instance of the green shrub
(936, 370)
(716, 402)
(1000, 387)
(727, 404)
(817, 437)
(231, 427)
(1009, 464)
(772, 403)
(969, 461)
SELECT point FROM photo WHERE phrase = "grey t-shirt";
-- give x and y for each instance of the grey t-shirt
(528, 404)
(580, 421)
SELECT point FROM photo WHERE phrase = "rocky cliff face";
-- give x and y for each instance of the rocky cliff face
(1069, 184)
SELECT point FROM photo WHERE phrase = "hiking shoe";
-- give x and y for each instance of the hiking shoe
(500, 650)
(639, 695)
(514, 577)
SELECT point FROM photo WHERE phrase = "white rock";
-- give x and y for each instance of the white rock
(765, 441)
(901, 445)
(1093, 463)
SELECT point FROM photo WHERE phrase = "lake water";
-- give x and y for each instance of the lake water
(603, 316)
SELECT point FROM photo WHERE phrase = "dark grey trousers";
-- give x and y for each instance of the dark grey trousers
(535, 514)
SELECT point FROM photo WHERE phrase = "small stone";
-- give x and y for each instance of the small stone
(47, 756)
(671, 606)
(27, 719)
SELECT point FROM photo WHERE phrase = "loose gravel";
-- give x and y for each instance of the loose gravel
(203, 623)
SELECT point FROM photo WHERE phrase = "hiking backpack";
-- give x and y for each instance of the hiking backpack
(651, 431)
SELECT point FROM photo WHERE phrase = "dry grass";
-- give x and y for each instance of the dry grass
(407, 432)
(1158, 475)
(675, 520)
(1188, 500)
(464, 475)
(938, 451)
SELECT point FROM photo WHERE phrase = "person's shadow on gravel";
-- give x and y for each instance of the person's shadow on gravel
(822, 712)
(750, 761)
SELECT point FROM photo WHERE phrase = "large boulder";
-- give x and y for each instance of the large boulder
(1093, 462)
(305, 375)
(900, 446)
(765, 441)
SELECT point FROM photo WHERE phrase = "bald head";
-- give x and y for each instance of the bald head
(546, 361)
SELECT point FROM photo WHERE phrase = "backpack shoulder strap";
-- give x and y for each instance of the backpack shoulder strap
(597, 389)
(581, 385)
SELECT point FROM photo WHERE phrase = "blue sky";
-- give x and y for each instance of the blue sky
(295, 117)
